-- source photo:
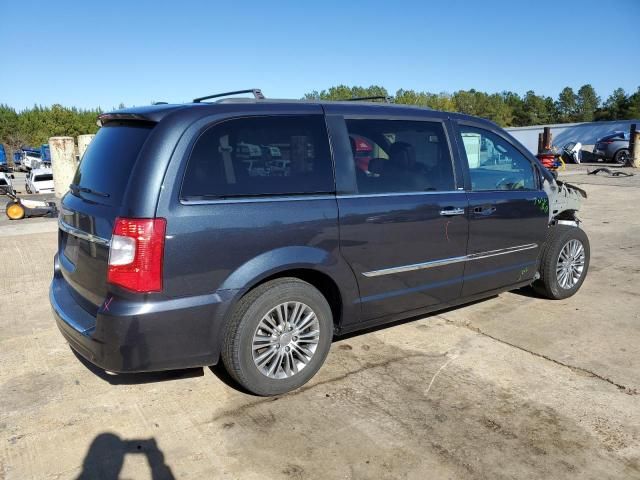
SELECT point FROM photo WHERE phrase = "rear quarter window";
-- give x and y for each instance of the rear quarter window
(254, 156)
(108, 162)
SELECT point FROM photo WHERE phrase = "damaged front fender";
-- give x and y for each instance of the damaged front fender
(564, 200)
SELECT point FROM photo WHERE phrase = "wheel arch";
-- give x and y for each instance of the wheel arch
(570, 215)
(327, 271)
(320, 280)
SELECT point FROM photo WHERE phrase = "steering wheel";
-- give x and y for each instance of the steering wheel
(510, 183)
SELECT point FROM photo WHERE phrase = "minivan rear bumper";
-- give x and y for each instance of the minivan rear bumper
(128, 336)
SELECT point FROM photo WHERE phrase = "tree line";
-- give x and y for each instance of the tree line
(507, 109)
(34, 126)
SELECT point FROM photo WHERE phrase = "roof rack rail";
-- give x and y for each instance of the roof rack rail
(257, 94)
(375, 97)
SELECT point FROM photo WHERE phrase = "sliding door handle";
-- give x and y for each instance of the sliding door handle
(448, 212)
(484, 210)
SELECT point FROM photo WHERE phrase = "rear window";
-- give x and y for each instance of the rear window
(278, 155)
(43, 178)
(108, 162)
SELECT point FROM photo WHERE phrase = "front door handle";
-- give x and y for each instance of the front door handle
(447, 212)
(484, 210)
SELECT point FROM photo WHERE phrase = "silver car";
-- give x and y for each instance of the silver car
(613, 147)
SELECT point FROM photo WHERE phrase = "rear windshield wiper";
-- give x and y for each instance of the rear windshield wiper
(75, 188)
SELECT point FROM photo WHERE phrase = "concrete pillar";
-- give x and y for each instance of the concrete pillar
(63, 163)
(83, 143)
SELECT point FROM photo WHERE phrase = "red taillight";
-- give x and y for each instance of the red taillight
(135, 254)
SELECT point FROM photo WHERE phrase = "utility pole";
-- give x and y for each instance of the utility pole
(634, 147)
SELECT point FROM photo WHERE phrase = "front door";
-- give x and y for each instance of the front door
(403, 228)
(508, 211)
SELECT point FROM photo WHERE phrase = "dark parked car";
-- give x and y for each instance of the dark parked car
(174, 252)
(613, 148)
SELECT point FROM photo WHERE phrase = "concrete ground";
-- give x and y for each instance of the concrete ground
(510, 387)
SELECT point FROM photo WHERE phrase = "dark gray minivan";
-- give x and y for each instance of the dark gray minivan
(254, 230)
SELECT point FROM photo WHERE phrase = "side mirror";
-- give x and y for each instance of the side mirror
(13, 177)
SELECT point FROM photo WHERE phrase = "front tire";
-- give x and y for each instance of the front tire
(564, 263)
(278, 337)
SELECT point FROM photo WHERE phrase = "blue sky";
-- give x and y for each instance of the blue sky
(101, 53)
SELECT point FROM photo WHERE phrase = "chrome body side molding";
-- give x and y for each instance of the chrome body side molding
(448, 261)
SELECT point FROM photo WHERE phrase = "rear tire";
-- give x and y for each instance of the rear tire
(621, 157)
(564, 263)
(15, 211)
(278, 337)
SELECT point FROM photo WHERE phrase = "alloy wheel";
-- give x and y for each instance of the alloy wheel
(622, 158)
(570, 264)
(285, 340)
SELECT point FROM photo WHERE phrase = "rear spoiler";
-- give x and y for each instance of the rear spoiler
(105, 118)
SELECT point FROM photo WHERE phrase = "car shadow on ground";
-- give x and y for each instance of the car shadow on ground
(221, 374)
(107, 452)
(526, 292)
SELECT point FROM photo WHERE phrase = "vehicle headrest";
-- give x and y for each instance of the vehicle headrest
(402, 154)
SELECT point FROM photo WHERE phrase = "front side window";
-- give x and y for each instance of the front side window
(278, 155)
(495, 164)
(400, 156)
